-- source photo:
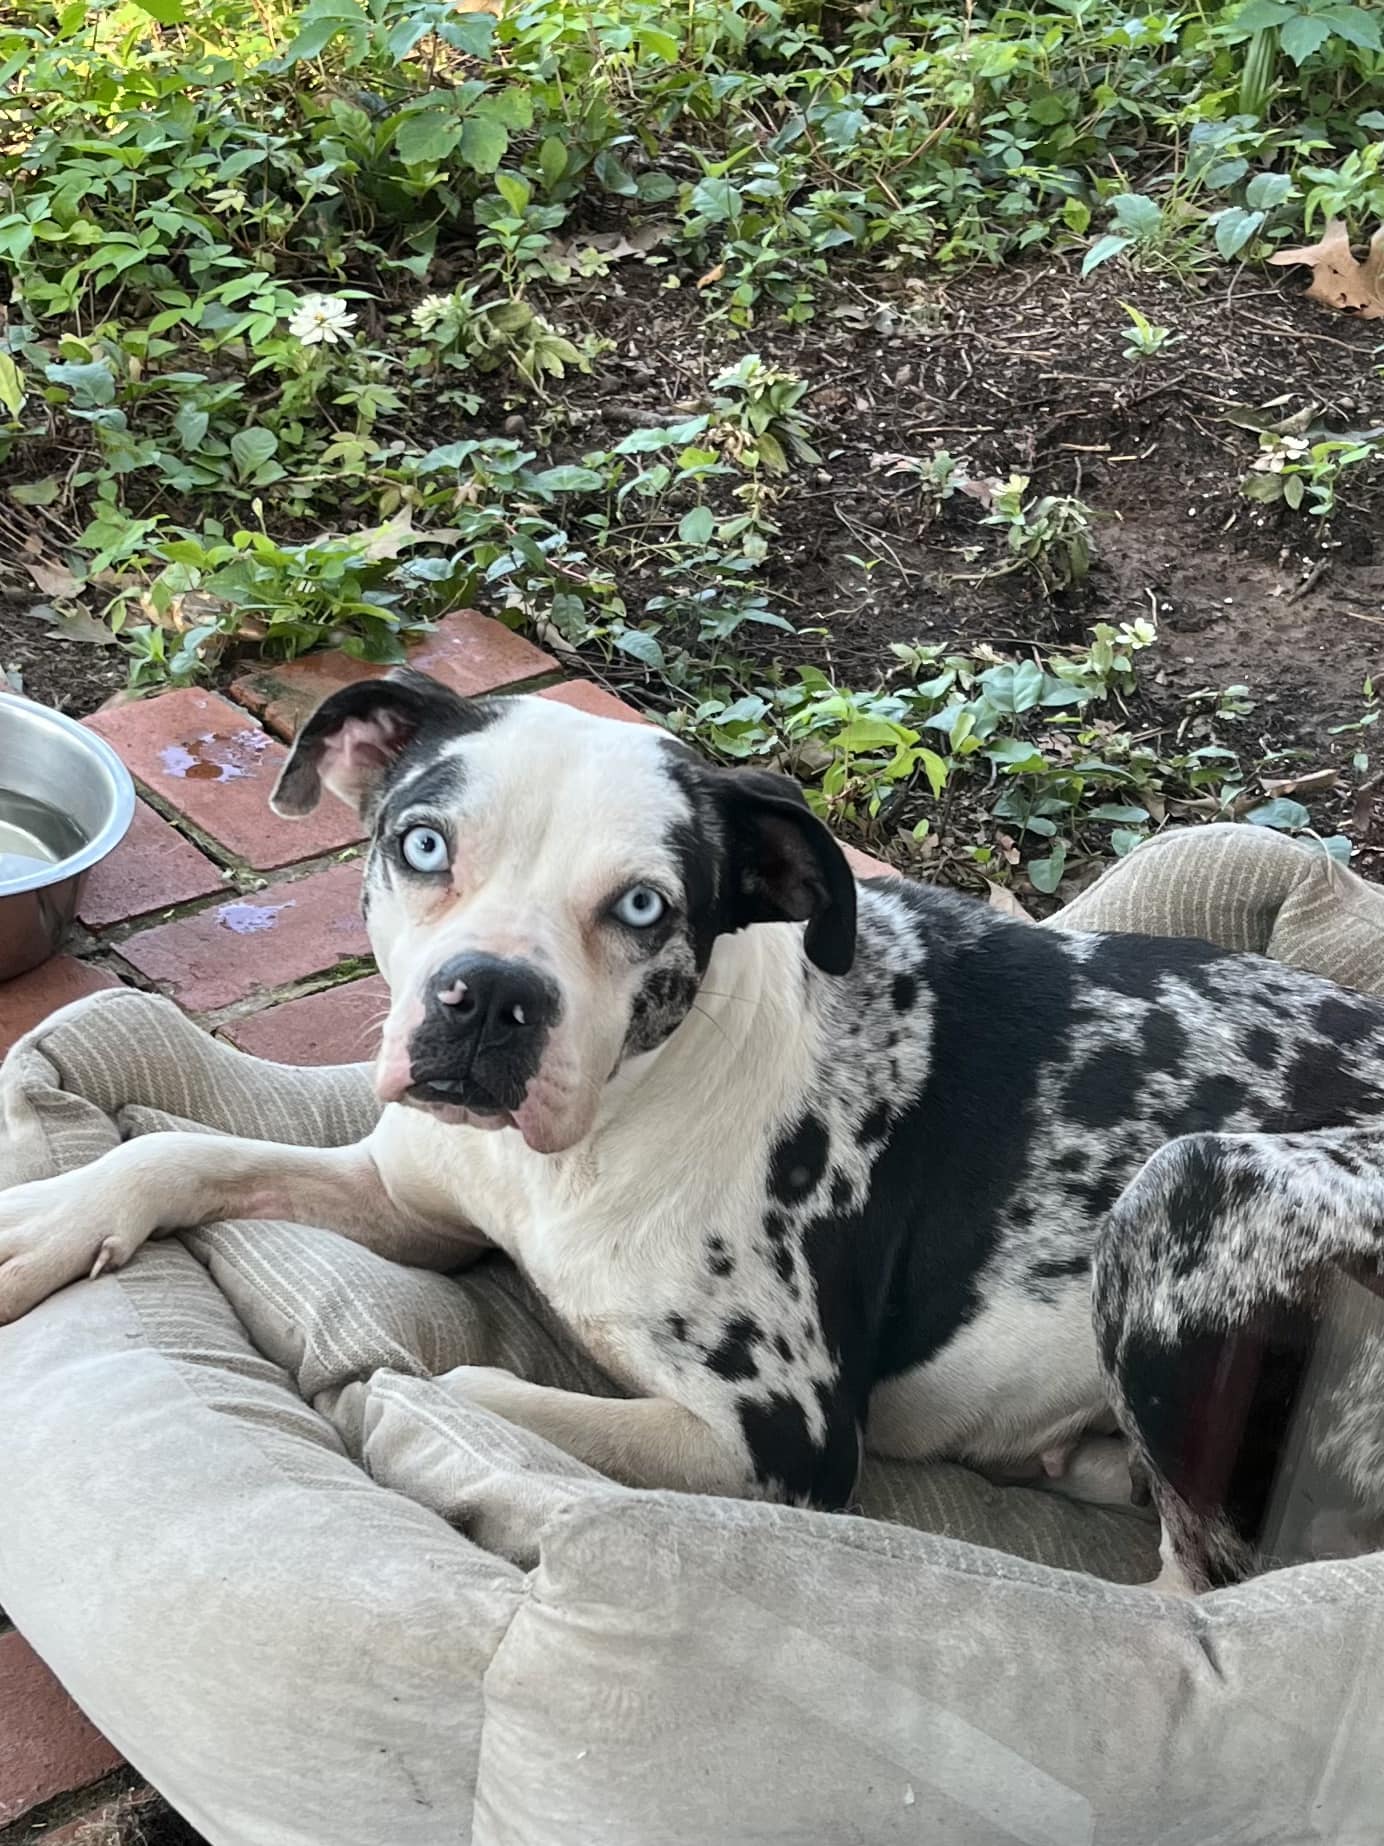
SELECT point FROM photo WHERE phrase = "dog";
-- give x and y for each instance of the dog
(805, 1164)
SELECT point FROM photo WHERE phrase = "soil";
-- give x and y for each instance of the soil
(1008, 370)
(1028, 371)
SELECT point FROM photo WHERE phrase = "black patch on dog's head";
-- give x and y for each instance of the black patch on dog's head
(752, 851)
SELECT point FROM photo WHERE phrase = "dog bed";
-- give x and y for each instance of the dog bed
(318, 1601)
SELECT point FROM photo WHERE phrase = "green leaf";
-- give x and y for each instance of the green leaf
(1076, 215)
(36, 493)
(515, 191)
(484, 143)
(871, 734)
(1113, 810)
(190, 425)
(639, 643)
(1268, 190)
(321, 23)
(11, 386)
(1338, 847)
(1307, 33)
(935, 769)
(1136, 213)
(1294, 488)
(91, 385)
(1260, 15)
(1124, 839)
(1027, 688)
(1354, 25)
(614, 176)
(251, 448)
(1102, 250)
(1234, 228)
(552, 161)
(1287, 816)
(717, 200)
(658, 43)
(569, 480)
(697, 526)
(1046, 874)
(164, 12)
(427, 136)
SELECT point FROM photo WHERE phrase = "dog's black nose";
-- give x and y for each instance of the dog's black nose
(493, 1002)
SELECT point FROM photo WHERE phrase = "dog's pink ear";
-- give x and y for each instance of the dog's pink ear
(783, 866)
(357, 735)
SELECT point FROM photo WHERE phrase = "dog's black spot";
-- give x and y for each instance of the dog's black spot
(1319, 1092)
(1139, 966)
(905, 993)
(1346, 1161)
(662, 1002)
(1022, 1213)
(775, 1226)
(1346, 1022)
(1100, 1093)
(1072, 1160)
(677, 1326)
(1163, 1041)
(718, 1259)
(799, 1160)
(781, 1256)
(1215, 1406)
(733, 1356)
(841, 1192)
(1061, 1268)
(876, 1123)
(1211, 1104)
(1262, 1047)
(786, 1456)
(783, 1349)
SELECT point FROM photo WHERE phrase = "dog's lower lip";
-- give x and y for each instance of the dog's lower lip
(455, 1092)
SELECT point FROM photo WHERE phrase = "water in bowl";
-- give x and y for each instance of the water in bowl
(33, 836)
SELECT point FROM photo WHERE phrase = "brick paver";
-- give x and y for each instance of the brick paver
(152, 868)
(471, 653)
(46, 1745)
(29, 1000)
(251, 945)
(340, 1025)
(210, 762)
(586, 696)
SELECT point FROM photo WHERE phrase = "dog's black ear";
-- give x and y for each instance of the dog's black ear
(783, 866)
(357, 734)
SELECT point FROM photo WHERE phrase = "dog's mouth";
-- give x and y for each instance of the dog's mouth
(458, 1098)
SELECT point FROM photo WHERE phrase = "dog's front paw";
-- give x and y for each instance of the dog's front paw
(54, 1231)
(487, 1387)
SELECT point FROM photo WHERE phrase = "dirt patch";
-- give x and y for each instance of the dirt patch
(71, 675)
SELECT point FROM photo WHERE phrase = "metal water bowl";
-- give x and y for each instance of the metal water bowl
(66, 801)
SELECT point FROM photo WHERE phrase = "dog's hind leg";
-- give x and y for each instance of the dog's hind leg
(1215, 1278)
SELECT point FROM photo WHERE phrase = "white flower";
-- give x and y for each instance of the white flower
(321, 320)
(1278, 451)
(430, 310)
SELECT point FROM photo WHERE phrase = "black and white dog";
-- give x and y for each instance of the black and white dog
(806, 1164)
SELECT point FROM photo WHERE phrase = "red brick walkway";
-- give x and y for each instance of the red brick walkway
(251, 924)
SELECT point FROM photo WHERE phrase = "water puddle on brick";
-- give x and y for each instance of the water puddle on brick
(250, 919)
(217, 756)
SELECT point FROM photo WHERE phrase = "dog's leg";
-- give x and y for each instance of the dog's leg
(1213, 1276)
(52, 1231)
(642, 1441)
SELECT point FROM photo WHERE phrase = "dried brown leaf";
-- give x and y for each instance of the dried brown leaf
(52, 578)
(1339, 279)
(1001, 898)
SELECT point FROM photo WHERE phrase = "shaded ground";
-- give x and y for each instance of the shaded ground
(1008, 371)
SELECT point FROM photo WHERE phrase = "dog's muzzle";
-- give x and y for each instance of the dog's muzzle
(485, 1027)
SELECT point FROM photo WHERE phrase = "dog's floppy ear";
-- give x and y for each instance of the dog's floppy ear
(783, 866)
(358, 733)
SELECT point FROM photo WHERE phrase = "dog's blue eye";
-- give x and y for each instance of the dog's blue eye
(640, 906)
(424, 849)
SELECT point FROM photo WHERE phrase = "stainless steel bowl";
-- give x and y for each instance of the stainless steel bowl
(66, 800)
